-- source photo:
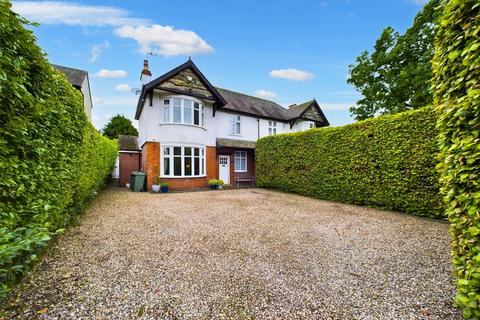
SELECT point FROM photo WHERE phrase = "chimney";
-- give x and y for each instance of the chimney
(145, 75)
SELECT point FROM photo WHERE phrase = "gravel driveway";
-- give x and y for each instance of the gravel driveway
(240, 254)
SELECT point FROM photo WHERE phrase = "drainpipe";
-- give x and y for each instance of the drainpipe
(258, 128)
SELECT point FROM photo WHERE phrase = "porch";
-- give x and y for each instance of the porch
(236, 162)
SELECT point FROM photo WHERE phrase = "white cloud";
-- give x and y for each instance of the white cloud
(97, 50)
(104, 73)
(122, 87)
(419, 2)
(71, 13)
(265, 94)
(165, 40)
(292, 74)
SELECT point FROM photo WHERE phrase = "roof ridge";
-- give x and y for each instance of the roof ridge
(248, 95)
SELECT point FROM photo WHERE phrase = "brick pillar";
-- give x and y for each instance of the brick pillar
(151, 161)
(212, 163)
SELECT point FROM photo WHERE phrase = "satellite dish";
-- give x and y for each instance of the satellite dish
(136, 91)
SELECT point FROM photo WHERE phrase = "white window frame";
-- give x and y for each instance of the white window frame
(201, 156)
(232, 124)
(272, 127)
(169, 120)
(240, 155)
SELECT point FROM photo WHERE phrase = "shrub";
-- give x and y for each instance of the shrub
(456, 89)
(386, 162)
(51, 158)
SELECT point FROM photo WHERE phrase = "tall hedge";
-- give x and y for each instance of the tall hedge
(456, 87)
(387, 162)
(51, 158)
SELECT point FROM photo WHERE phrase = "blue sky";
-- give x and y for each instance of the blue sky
(287, 51)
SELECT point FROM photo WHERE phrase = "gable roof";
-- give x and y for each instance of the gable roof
(129, 143)
(234, 101)
(76, 77)
(219, 101)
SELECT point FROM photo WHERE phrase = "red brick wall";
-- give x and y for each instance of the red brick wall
(186, 183)
(250, 163)
(212, 163)
(151, 161)
(128, 162)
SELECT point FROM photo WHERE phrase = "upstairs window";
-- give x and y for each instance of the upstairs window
(234, 124)
(182, 110)
(272, 127)
(311, 125)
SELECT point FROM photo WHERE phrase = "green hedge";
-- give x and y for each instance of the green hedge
(387, 162)
(456, 87)
(51, 158)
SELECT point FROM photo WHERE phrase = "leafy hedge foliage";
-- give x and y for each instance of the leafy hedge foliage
(387, 162)
(51, 158)
(456, 87)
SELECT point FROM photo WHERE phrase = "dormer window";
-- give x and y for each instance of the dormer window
(183, 111)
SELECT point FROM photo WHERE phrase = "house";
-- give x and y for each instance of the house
(79, 80)
(191, 131)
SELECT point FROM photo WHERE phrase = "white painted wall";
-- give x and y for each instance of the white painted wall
(152, 128)
(87, 99)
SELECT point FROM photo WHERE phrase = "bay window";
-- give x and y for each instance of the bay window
(183, 110)
(240, 161)
(183, 161)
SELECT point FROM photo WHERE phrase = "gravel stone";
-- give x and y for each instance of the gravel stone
(240, 254)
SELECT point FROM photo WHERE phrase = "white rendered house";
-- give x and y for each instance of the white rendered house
(191, 131)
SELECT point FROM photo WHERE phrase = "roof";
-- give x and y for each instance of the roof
(76, 77)
(234, 143)
(234, 101)
(296, 110)
(129, 143)
(248, 104)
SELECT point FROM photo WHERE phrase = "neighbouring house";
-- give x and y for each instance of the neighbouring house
(191, 131)
(129, 158)
(79, 80)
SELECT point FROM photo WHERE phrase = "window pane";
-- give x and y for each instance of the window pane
(166, 166)
(196, 105)
(166, 151)
(176, 102)
(196, 117)
(177, 151)
(237, 128)
(177, 114)
(196, 152)
(270, 131)
(187, 111)
(188, 166)
(166, 113)
(166, 102)
(197, 166)
(203, 164)
(177, 166)
(203, 117)
(188, 151)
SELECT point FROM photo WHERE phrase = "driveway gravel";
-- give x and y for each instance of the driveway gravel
(240, 254)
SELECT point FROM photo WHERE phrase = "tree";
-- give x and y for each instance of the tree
(396, 76)
(119, 125)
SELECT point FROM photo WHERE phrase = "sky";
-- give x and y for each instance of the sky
(287, 51)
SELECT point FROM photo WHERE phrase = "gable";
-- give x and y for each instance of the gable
(188, 82)
(311, 113)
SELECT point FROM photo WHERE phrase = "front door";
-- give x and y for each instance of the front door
(224, 168)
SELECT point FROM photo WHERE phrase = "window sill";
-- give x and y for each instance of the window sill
(240, 171)
(182, 124)
(182, 177)
(234, 135)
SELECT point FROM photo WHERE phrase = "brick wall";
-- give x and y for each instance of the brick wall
(151, 161)
(128, 162)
